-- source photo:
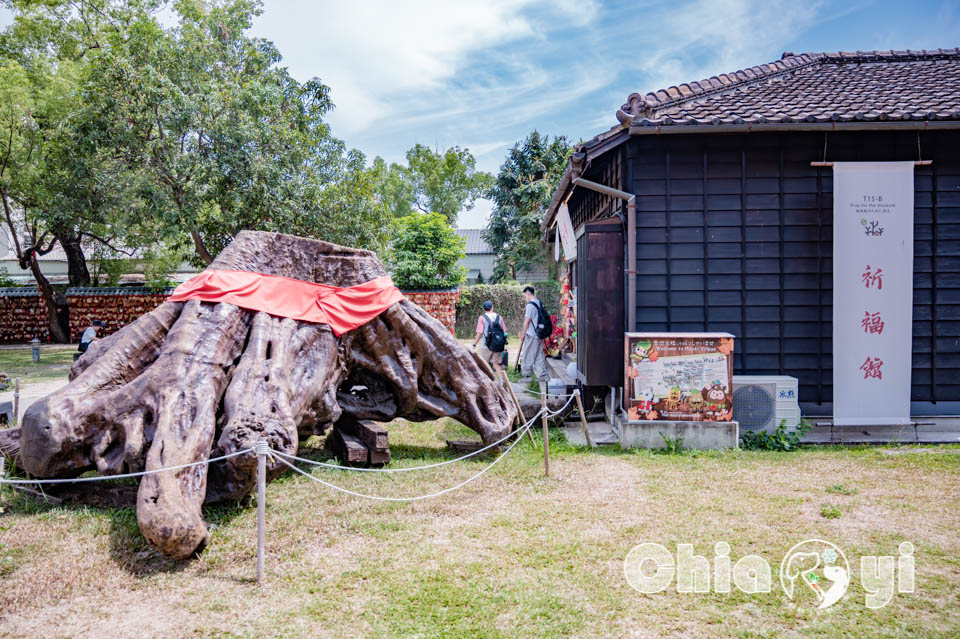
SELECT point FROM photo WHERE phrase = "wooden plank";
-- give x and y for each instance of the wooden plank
(379, 457)
(373, 435)
(347, 448)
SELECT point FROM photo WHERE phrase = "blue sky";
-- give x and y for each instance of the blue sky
(483, 74)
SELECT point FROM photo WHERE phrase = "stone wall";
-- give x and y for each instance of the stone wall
(23, 316)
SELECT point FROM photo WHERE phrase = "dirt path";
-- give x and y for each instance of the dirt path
(31, 392)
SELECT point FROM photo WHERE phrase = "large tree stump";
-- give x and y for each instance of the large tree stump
(194, 380)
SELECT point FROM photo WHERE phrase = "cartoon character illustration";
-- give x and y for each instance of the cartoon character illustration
(671, 401)
(644, 400)
(643, 350)
(716, 397)
(695, 401)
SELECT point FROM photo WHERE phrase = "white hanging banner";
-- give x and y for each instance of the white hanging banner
(872, 292)
(567, 236)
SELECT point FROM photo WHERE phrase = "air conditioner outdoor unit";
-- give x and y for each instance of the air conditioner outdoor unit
(761, 402)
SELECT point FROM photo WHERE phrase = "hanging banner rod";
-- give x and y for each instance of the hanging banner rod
(915, 163)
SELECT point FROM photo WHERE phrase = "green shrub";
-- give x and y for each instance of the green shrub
(840, 489)
(781, 439)
(157, 267)
(829, 511)
(424, 253)
(671, 445)
(5, 280)
(507, 302)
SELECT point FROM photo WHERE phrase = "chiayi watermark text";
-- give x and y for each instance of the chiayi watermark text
(814, 572)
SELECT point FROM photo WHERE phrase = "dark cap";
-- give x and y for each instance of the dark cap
(487, 305)
(97, 323)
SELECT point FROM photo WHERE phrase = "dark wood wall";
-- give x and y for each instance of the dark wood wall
(734, 233)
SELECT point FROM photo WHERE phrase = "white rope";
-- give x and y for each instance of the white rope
(411, 468)
(78, 480)
(524, 389)
(418, 497)
(559, 410)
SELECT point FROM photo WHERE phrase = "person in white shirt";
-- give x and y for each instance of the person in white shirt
(533, 361)
(89, 334)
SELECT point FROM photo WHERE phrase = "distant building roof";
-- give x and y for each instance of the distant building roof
(476, 245)
(870, 90)
(861, 86)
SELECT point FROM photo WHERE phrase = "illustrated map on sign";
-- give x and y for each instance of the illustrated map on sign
(679, 376)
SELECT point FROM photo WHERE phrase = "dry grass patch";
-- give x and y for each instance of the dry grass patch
(514, 554)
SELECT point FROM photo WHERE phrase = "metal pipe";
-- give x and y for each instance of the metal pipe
(631, 243)
(915, 163)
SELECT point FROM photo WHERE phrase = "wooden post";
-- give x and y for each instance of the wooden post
(546, 437)
(16, 402)
(583, 419)
(516, 401)
(262, 450)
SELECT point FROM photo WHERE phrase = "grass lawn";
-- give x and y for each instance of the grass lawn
(55, 362)
(514, 554)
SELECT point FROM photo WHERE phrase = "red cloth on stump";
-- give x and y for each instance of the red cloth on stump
(343, 309)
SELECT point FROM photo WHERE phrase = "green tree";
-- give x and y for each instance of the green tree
(226, 138)
(81, 183)
(523, 189)
(424, 253)
(445, 183)
(31, 103)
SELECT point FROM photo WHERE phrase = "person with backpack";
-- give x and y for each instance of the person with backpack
(536, 328)
(493, 331)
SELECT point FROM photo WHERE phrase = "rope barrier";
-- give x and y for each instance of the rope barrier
(561, 409)
(287, 456)
(533, 392)
(411, 468)
(77, 480)
(418, 497)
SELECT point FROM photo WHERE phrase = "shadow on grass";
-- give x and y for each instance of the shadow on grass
(115, 502)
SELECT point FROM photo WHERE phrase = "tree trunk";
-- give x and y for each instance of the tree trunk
(192, 380)
(77, 270)
(57, 331)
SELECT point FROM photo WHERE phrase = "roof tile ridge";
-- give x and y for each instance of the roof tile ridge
(638, 103)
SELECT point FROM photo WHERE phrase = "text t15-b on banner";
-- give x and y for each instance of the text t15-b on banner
(872, 292)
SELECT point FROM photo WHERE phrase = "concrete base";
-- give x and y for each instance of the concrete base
(699, 435)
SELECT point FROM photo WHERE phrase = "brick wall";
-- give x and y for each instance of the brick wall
(23, 316)
(439, 304)
(115, 307)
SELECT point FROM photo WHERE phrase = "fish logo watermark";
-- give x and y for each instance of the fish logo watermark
(814, 570)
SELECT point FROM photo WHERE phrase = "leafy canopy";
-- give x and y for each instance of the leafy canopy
(445, 183)
(523, 189)
(424, 253)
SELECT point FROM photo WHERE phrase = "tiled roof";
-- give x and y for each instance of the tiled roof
(812, 87)
(476, 245)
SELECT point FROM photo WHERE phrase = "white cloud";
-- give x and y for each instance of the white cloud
(377, 53)
(708, 37)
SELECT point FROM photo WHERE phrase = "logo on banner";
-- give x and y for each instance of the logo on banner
(872, 228)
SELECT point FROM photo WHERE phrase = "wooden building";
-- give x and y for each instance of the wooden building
(733, 225)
